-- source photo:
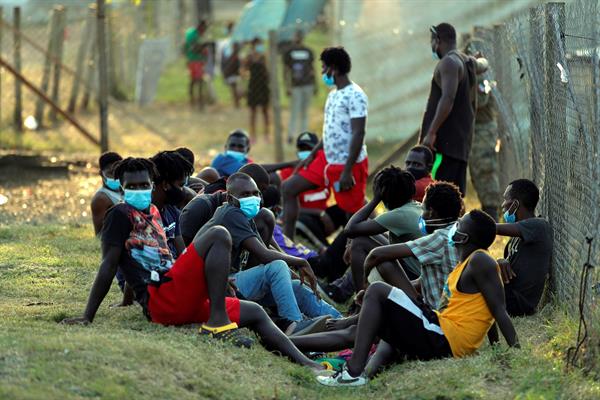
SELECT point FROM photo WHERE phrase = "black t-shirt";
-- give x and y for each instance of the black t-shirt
(170, 220)
(456, 133)
(529, 257)
(239, 227)
(299, 60)
(197, 213)
(143, 244)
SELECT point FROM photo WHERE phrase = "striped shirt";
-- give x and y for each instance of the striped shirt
(437, 259)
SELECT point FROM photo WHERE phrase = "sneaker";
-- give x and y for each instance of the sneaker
(310, 325)
(342, 378)
(228, 333)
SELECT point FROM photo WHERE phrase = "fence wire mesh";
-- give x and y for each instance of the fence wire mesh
(545, 62)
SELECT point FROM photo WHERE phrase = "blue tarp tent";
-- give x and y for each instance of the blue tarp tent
(258, 18)
(301, 14)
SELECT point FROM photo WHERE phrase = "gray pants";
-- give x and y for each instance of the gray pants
(301, 97)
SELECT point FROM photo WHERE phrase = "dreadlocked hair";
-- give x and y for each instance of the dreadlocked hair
(395, 186)
(134, 164)
(445, 199)
(171, 166)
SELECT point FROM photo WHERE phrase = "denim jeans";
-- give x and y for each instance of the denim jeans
(300, 101)
(271, 284)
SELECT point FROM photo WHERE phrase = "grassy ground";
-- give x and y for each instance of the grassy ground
(48, 259)
(46, 274)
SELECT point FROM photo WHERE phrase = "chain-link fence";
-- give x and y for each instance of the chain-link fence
(546, 64)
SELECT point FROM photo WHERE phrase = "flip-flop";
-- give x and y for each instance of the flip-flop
(227, 333)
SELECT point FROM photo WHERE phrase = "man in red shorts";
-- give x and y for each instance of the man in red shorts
(191, 289)
(339, 161)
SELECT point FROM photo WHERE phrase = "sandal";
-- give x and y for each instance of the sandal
(227, 333)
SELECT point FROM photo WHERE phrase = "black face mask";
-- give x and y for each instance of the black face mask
(174, 195)
(417, 173)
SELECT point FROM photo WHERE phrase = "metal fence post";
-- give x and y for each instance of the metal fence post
(102, 74)
(81, 56)
(18, 118)
(58, 54)
(50, 52)
(275, 102)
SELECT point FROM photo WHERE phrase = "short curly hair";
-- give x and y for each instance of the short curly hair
(133, 164)
(445, 199)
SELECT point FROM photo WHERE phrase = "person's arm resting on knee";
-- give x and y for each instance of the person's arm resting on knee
(265, 256)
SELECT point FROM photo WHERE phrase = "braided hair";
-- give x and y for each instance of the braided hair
(171, 166)
(395, 186)
(134, 164)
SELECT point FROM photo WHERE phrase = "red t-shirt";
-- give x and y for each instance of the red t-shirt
(316, 198)
(420, 187)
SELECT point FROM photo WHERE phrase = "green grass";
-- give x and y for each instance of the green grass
(46, 273)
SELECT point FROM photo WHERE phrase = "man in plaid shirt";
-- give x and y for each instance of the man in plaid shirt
(442, 206)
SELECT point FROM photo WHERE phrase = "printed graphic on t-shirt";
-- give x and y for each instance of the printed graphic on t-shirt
(512, 247)
(147, 243)
(342, 106)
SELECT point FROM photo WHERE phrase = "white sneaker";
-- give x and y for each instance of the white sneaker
(342, 378)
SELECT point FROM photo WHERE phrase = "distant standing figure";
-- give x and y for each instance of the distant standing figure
(449, 117)
(299, 76)
(258, 86)
(230, 68)
(196, 55)
(483, 161)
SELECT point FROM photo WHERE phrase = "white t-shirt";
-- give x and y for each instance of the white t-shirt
(341, 106)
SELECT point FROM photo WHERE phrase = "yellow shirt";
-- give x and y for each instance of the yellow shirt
(466, 318)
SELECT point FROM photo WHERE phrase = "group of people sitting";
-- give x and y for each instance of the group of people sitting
(211, 249)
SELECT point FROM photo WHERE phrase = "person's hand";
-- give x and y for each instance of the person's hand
(231, 288)
(358, 299)
(372, 260)
(304, 163)
(506, 270)
(429, 140)
(122, 303)
(347, 257)
(335, 324)
(308, 277)
(76, 321)
(346, 181)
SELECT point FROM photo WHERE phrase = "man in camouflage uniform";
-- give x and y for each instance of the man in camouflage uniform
(483, 160)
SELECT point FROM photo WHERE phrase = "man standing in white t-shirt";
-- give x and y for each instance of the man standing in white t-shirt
(339, 161)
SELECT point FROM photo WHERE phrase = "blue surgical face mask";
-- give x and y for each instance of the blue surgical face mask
(260, 48)
(435, 56)
(237, 155)
(112, 184)
(452, 232)
(422, 226)
(138, 199)
(511, 218)
(303, 154)
(430, 225)
(250, 206)
(328, 80)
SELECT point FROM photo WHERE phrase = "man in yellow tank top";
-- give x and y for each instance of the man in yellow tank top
(408, 328)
